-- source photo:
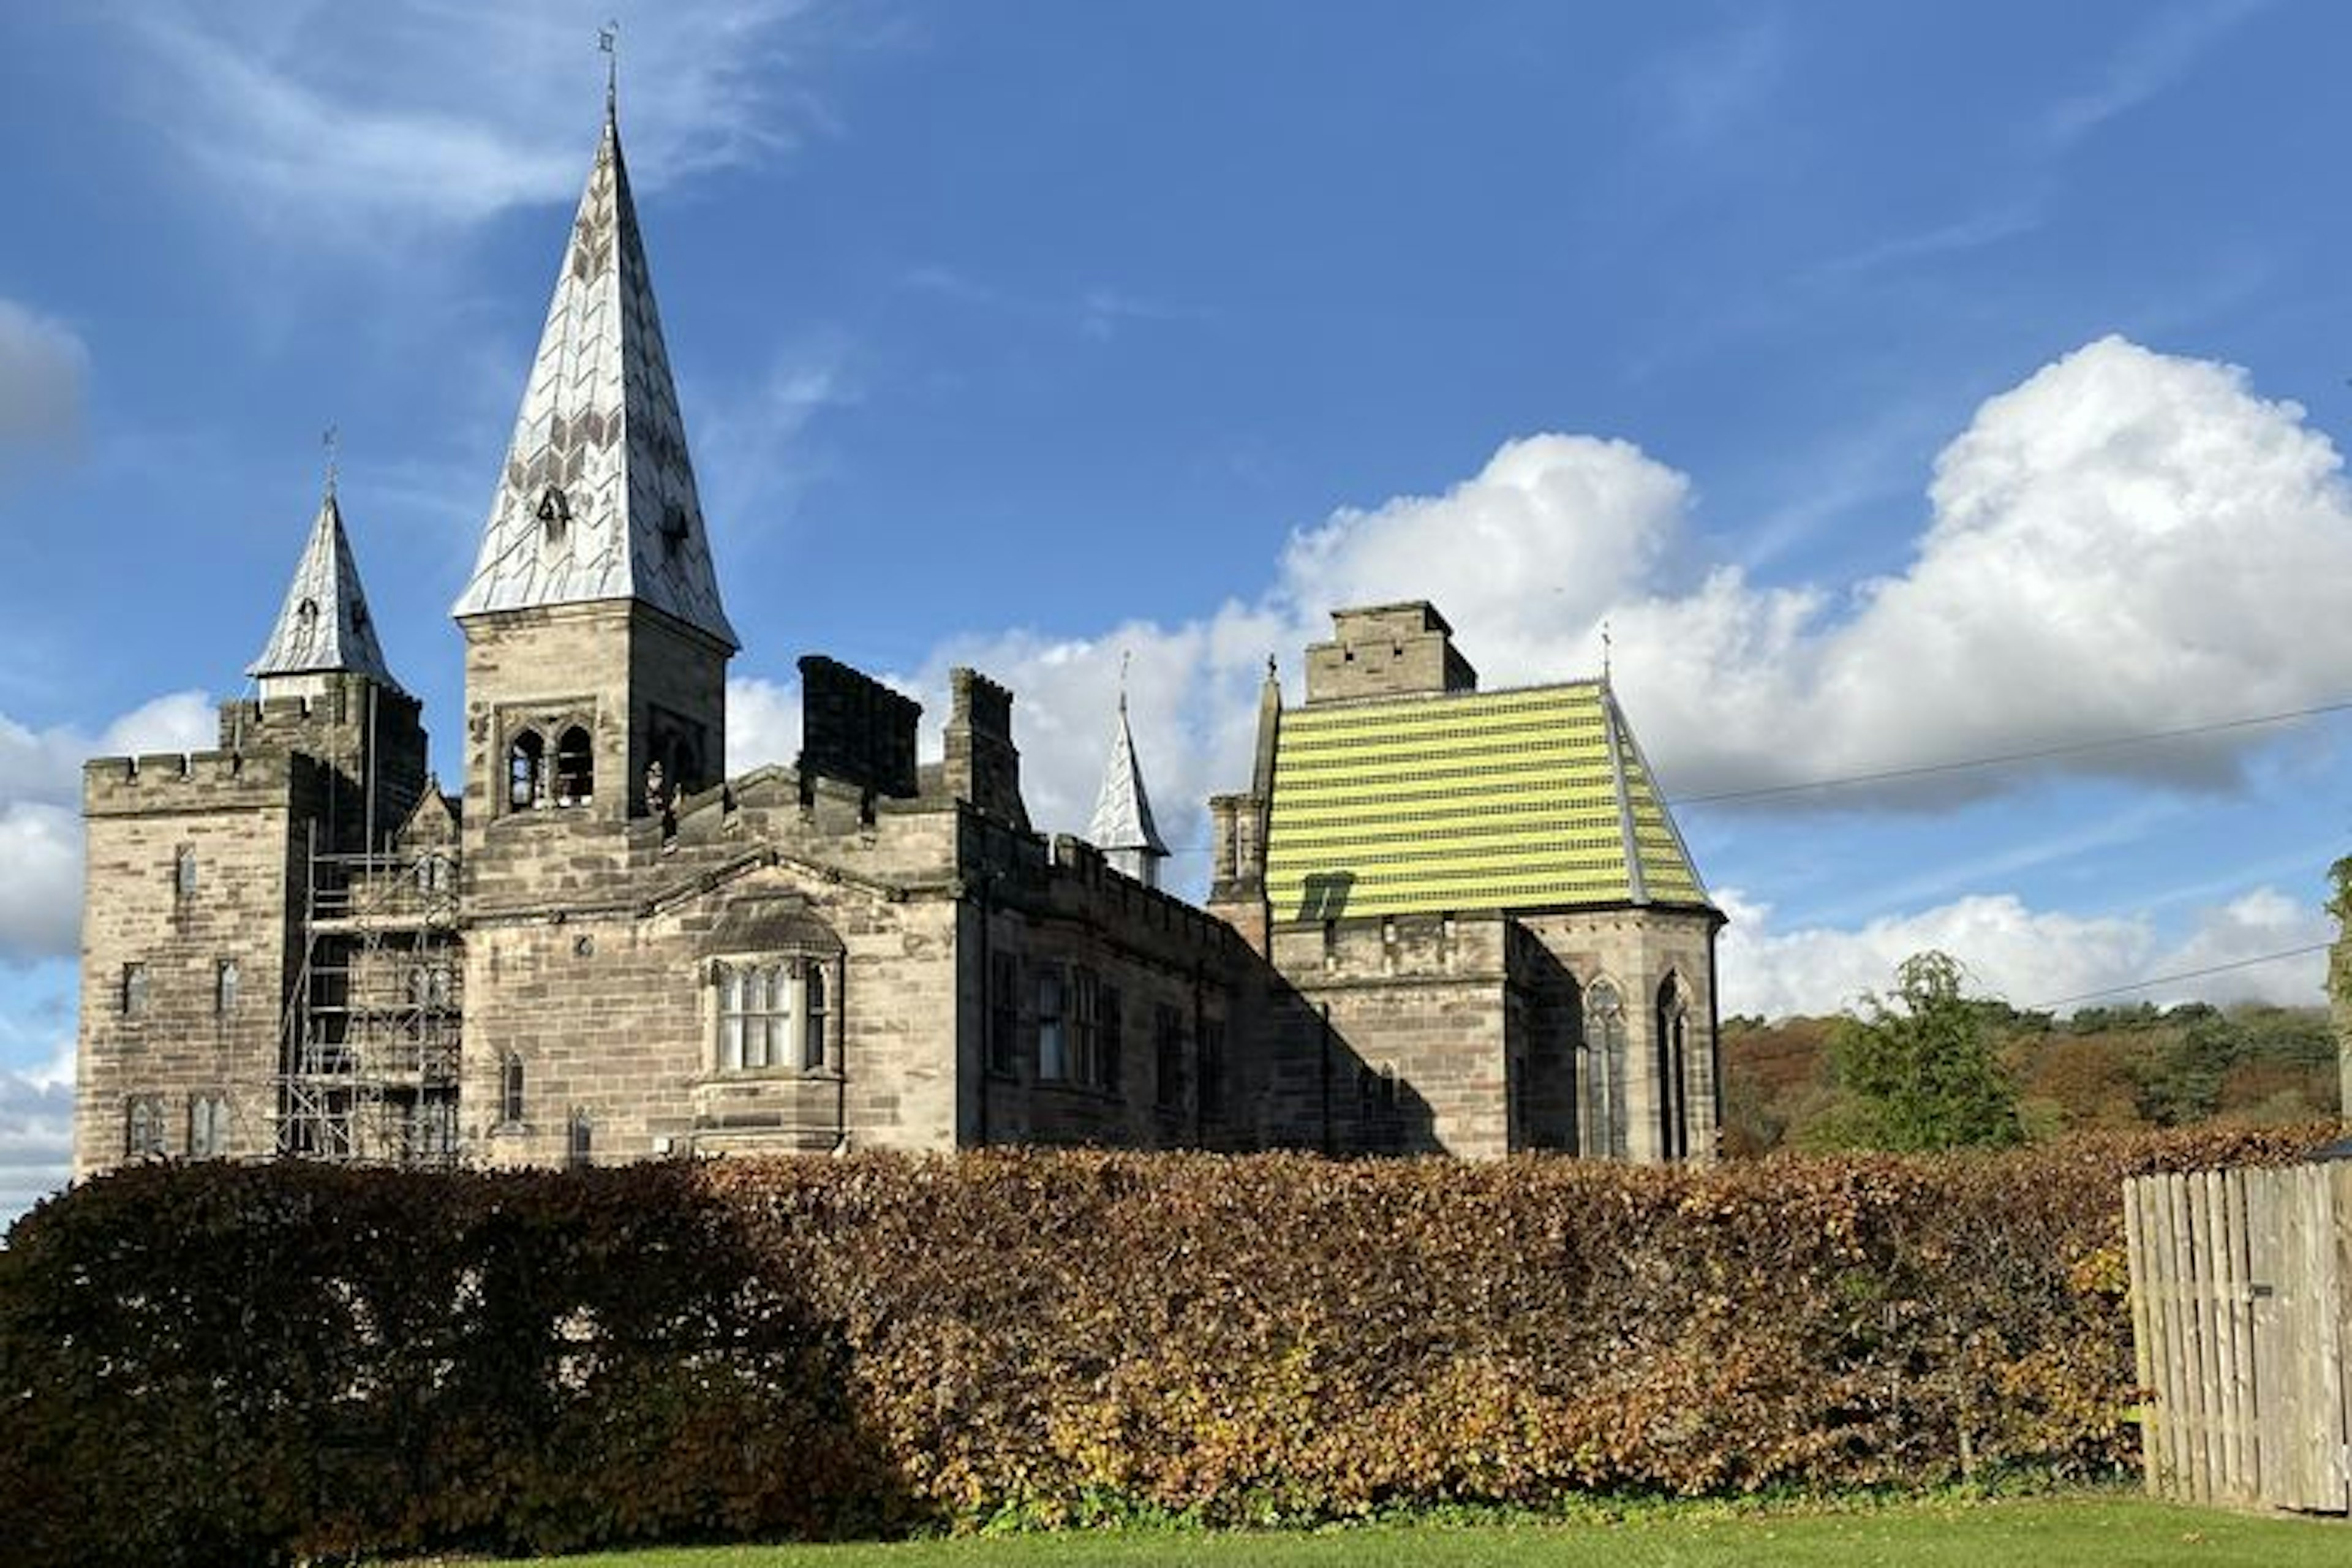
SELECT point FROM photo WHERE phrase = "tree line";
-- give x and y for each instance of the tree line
(1928, 1065)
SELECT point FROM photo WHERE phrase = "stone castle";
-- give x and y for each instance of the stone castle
(1439, 920)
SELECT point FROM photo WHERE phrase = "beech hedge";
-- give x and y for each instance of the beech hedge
(232, 1363)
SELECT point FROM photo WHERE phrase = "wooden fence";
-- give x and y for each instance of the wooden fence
(2242, 1321)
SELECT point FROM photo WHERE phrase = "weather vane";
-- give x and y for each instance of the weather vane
(330, 438)
(1604, 650)
(1124, 655)
(608, 43)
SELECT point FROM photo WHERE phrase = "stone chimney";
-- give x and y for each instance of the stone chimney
(983, 766)
(1387, 651)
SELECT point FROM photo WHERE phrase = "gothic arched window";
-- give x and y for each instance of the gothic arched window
(575, 767)
(1674, 1024)
(1604, 1071)
(526, 764)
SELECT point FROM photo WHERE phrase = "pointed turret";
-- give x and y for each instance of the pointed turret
(597, 500)
(596, 649)
(1122, 829)
(324, 627)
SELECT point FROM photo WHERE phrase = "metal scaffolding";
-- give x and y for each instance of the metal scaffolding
(369, 1047)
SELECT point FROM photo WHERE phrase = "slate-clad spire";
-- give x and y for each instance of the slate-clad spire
(324, 625)
(1122, 829)
(597, 500)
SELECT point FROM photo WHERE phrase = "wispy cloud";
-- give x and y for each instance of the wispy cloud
(1705, 90)
(755, 457)
(1102, 311)
(1099, 312)
(1973, 231)
(2148, 61)
(291, 114)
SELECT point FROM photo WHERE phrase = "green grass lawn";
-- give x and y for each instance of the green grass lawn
(2061, 1530)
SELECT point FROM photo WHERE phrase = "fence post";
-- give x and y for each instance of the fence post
(2144, 1350)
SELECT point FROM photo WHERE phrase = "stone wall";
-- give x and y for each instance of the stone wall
(177, 1034)
(1638, 950)
(1416, 1005)
(1070, 922)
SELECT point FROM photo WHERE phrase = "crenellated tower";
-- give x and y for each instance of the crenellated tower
(191, 938)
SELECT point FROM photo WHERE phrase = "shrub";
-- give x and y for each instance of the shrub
(219, 1363)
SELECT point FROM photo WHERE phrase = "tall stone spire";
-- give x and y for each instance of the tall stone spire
(1122, 827)
(597, 500)
(324, 627)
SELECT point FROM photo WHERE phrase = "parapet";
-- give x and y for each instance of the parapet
(176, 781)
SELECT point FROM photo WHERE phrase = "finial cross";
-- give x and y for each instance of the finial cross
(608, 43)
(332, 439)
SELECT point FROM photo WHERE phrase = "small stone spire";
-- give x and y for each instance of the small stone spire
(1122, 827)
(324, 627)
(1269, 726)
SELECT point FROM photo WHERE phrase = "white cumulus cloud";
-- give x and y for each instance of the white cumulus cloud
(36, 1140)
(40, 821)
(764, 723)
(2031, 958)
(2126, 542)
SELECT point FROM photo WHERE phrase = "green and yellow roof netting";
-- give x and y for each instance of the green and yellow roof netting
(1526, 799)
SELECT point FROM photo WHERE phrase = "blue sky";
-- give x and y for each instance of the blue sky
(1902, 385)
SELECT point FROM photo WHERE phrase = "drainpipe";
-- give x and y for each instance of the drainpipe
(1323, 1009)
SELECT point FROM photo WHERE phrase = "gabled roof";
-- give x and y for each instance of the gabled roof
(324, 625)
(597, 499)
(1455, 802)
(1122, 809)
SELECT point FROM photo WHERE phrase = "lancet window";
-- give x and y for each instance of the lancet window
(575, 767)
(1674, 1026)
(526, 770)
(1603, 1071)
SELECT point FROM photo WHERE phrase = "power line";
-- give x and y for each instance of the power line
(2002, 758)
(2184, 975)
(1990, 759)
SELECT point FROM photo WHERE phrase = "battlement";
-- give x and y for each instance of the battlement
(1110, 899)
(340, 702)
(177, 781)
